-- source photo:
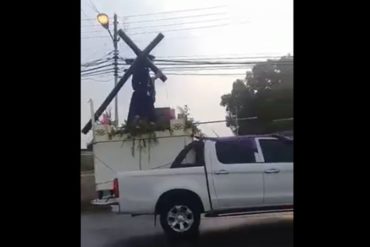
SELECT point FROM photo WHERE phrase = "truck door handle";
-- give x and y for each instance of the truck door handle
(221, 172)
(272, 170)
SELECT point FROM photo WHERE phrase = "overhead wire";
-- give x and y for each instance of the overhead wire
(193, 64)
(181, 29)
(176, 11)
(164, 25)
(101, 72)
(161, 12)
(167, 19)
(99, 67)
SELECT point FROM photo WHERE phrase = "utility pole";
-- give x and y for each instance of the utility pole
(236, 120)
(115, 57)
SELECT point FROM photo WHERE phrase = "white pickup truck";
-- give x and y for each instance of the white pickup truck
(214, 177)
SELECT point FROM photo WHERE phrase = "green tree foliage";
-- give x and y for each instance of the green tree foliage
(265, 94)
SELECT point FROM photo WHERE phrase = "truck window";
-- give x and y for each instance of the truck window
(191, 155)
(275, 151)
(235, 152)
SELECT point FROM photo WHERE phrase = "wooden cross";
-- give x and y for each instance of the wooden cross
(142, 56)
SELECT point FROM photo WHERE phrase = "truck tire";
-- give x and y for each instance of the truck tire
(180, 218)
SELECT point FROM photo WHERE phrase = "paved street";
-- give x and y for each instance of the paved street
(105, 229)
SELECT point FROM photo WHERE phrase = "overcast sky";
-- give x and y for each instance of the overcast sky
(239, 28)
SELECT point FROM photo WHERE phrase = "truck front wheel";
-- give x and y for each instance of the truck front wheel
(180, 218)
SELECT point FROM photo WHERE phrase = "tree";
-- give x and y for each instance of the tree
(266, 95)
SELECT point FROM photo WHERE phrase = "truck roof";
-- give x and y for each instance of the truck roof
(247, 137)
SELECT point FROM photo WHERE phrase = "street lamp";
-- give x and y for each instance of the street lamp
(103, 19)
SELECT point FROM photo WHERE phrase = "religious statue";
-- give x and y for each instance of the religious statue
(143, 98)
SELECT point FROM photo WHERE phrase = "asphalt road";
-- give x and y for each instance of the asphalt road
(105, 229)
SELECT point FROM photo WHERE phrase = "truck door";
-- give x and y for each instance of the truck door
(277, 158)
(237, 177)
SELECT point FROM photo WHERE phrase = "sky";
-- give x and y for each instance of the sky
(229, 28)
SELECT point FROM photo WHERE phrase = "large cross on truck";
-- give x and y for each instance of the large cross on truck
(122, 153)
(142, 60)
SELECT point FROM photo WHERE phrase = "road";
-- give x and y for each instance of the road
(105, 229)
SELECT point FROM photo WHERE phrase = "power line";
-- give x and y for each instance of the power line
(200, 66)
(95, 31)
(179, 24)
(178, 17)
(212, 59)
(204, 68)
(173, 70)
(93, 37)
(165, 25)
(84, 12)
(219, 63)
(235, 55)
(100, 72)
(201, 69)
(96, 64)
(89, 64)
(91, 25)
(103, 66)
(214, 65)
(223, 67)
(218, 57)
(158, 13)
(174, 65)
(94, 7)
(195, 74)
(176, 11)
(91, 79)
(165, 19)
(182, 29)
(180, 59)
(95, 70)
(200, 62)
(108, 71)
(170, 30)
(99, 59)
(96, 60)
(100, 75)
(106, 74)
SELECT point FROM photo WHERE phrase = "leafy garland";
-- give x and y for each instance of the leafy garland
(142, 135)
(189, 122)
(137, 132)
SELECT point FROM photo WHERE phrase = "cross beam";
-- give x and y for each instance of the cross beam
(142, 56)
(138, 52)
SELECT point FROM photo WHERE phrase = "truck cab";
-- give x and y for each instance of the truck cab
(244, 171)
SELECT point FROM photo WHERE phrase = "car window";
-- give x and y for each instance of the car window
(191, 155)
(235, 152)
(276, 150)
